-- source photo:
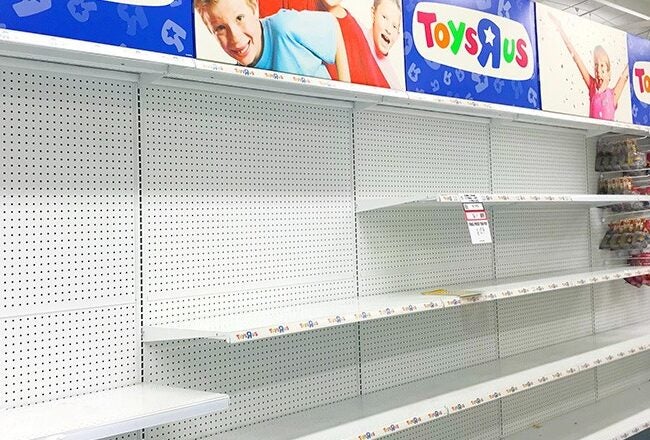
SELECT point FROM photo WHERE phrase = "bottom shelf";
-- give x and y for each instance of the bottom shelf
(613, 418)
(108, 413)
(395, 409)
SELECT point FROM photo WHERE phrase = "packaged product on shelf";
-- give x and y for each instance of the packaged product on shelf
(614, 154)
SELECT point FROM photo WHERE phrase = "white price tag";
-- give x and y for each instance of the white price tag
(475, 215)
(473, 207)
(470, 198)
(479, 232)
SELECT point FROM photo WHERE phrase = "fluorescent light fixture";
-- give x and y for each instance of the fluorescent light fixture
(143, 2)
(623, 9)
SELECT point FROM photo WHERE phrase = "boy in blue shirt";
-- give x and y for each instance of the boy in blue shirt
(299, 42)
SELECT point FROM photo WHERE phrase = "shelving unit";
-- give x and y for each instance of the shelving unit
(154, 67)
(107, 413)
(213, 202)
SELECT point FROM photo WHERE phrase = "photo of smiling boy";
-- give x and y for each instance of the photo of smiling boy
(384, 33)
(299, 42)
(363, 67)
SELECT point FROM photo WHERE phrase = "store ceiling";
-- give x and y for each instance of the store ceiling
(632, 16)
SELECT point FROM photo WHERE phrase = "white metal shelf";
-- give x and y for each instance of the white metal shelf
(155, 66)
(108, 413)
(614, 418)
(565, 201)
(270, 323)
(266, 324)
(395, 409)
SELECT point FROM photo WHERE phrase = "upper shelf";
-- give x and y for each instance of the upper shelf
(154, 67)
(270, 323)
(108, 413)
(500, 201)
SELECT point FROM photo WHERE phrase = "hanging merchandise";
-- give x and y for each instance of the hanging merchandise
(619, 154)
(625, 157)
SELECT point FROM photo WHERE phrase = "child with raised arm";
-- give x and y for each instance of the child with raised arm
(300, 42)
(603, 101)
(385, 31)
(363, 67)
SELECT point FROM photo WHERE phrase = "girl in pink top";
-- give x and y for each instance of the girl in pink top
(602, 99)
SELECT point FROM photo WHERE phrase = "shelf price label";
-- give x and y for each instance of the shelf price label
(477, 221)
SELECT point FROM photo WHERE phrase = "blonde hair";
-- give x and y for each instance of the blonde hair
(397, 3)
(600, 50)
(200, 5)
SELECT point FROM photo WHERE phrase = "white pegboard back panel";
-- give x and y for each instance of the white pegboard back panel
(618, 304)
(546, 402)
(531, 159)
(136, 435)
(233, 303)
(417, 249)
(544, 319)
(242, 216)
(617, 376)
(528, 241)
(480, 423)
(592, 174)
(68, 191)
(400, 349)
(412, 153)
(68, 315)
(265, 379)
(52, 356)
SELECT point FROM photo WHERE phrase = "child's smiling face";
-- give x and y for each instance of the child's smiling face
(387, 20)
(236, 25)
(601, 70)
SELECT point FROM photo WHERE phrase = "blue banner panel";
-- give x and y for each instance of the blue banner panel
(638, 50)
(482, 50)
(167, 29)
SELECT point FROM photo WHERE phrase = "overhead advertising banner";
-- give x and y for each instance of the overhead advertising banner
(483, 50)
(583, 67)
(156, 25)
(358, 41)
(639, 61)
